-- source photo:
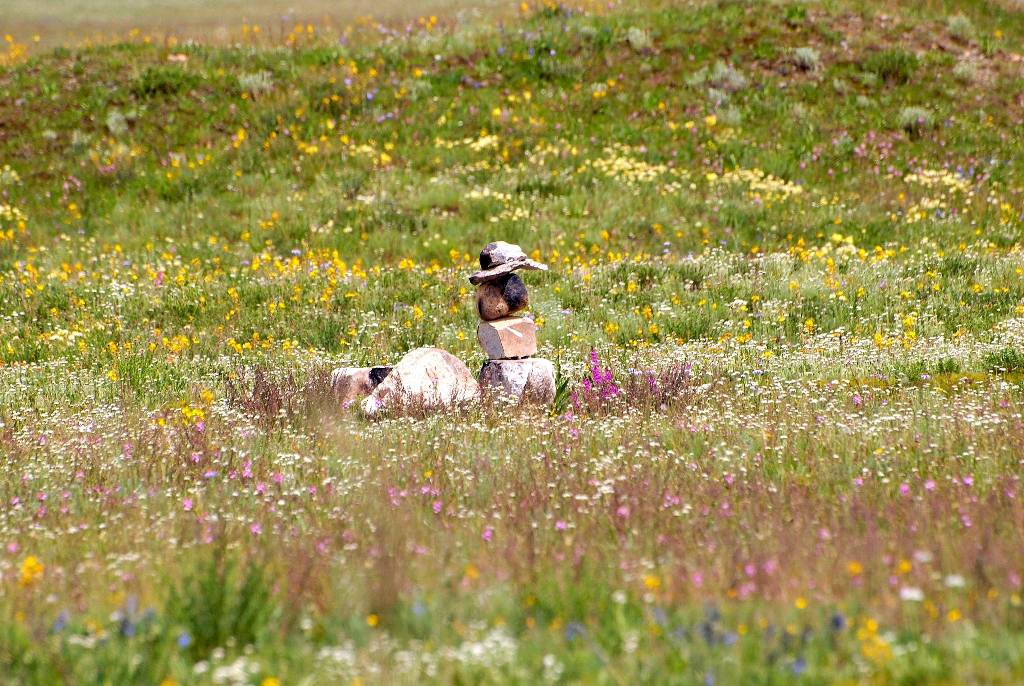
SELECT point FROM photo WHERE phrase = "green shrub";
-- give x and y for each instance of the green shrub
(222, 599)
(960, 27)
(915, 120)
(965, 71)
(256, 83)
(116, 123)
(156, 81)
(795, 15)
(727, 78)
(1005, 360)
(805, 59)
(562, 392)
(639, 39)
(892, 66)
(720, 76)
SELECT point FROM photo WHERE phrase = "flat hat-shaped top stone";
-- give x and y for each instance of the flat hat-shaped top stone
(500, 258)
(499, 252)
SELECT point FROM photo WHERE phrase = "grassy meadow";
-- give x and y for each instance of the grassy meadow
(80, 23)
(786, 300)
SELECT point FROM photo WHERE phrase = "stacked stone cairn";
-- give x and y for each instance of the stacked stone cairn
(433, 379)
(510, 341)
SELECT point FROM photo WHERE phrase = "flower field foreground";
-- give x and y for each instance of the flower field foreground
(786, 299)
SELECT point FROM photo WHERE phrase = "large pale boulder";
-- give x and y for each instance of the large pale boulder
(354, 383)
(531, 380)
(425, 379)
(351, 384)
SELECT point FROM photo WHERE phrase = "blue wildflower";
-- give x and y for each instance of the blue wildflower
(707, 631)
(574, 629)
(60, 623)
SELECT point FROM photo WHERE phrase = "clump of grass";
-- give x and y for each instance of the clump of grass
(731, 116)
(727, 77)
(562, 391)
(867, 79)
(269, 400)
(116, 123)
(157, 81)
(805, 58)
(795, 15)
(639, 39)
(965, 71)
(698, 78)
(256, 83)
(8, 177)
(661, 388)
(960, 27)
(1005, 360)
(916, 120)
(721, 76)
(895, 66)
(604, 390)
(717, 97)
(222, 600)
(80, 139)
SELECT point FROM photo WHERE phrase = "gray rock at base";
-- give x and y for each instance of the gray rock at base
(426, 379)
(531, 380)
(501, 297)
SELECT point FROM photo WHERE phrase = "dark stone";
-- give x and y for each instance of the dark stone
(501, 297)
(378, 374)
(515, 293)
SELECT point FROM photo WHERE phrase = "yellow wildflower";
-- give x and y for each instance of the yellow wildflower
(31, 571)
